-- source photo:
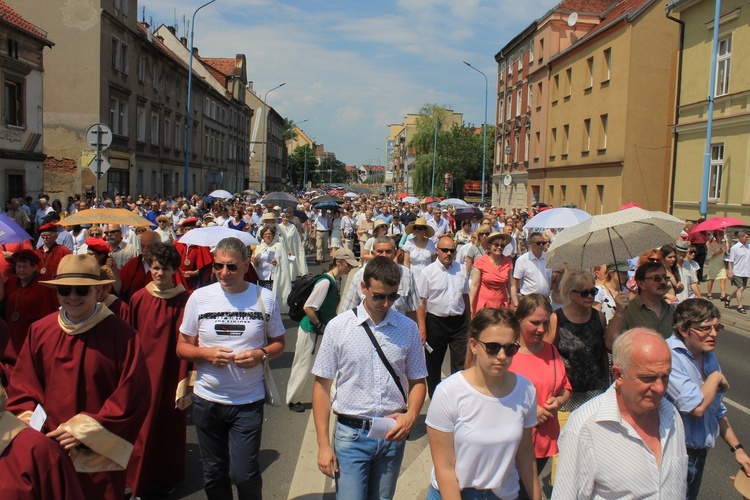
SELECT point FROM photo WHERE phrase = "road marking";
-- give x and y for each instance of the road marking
(308, 481)
(735, 404)
(414, 481)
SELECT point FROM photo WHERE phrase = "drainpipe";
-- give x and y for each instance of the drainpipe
(675, 134)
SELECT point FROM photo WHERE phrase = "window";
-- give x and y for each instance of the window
(520, 61)
(155, 78)
(537, 144)
(13, 103)
(12, 48)
(142, 68)
(565, 140)
(119, 55)
(118, 116)
(717, 165)
(516, 147)
(584, 194)
(118, 181)
(140, 125)
(518, 102)
(506, 150)
(586, 146)
(124, 67)
(589, 73)
(555, 88)
(607, 66)
(603, 123)
(154, 185)
(568, 82)
(526, 146)
(563, 193)
(541, 50)
(167, 133)
(178, 134)
(508, 105)
(539, 95)
(552, 143)
(500, 103)
(530, 87)
(723, 59)
(531, 52)
(154, 128)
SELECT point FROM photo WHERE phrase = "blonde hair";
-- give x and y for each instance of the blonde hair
(573, 280)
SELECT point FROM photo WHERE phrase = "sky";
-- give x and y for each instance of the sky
(353, 67)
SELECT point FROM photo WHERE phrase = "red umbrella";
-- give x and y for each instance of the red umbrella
(716, 223)
(630, 205)
(429, 199)
(401, 196)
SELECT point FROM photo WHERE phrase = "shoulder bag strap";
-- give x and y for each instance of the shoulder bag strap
(263, 312)
(382, 357)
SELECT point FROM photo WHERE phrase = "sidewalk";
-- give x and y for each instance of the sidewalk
(730, 317)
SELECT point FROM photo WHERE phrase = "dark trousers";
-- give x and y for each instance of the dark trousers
(700, 258)
(229, 439)
(696, 464)
(442, 333)
(540, 463)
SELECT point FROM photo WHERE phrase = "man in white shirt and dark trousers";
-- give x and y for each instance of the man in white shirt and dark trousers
(739, 268)
(377, 348)
(444, 289)
(530, 274)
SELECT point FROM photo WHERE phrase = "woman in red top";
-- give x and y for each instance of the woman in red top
(491, 276)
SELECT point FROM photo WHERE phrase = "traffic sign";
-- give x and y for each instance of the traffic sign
(99, 136)
(104, 167)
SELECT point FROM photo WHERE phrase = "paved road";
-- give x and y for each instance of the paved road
(289, 449)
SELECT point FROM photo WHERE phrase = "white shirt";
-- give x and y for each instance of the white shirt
(739, 256)
(533, 274)
(485, 451)
(688, 277)
(441, 227)
(443, 288)
(602, 456)
(232, 320)
(364, 388)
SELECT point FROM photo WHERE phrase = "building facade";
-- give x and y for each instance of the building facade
(729, 165)
(266, 134)
(21, 70)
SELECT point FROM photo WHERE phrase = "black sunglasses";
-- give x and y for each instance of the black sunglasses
(420, 228)
(81, 290)
(380, 297)
(447, 250)
(586, 293)
(539, 243)
(232, 268)
(493, 348)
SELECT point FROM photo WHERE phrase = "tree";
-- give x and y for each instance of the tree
(300, 156)
(289, 133)
(331, 171)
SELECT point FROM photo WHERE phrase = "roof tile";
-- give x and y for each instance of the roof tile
(15, 19)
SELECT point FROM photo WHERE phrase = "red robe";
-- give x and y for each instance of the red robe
(31, 302)
(33, 466)
(94, 384)
(118, 307)
(8, 354)
(159, 452)
(134, 277)
(48, 261)
(197, 258)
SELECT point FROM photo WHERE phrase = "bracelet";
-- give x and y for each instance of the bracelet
(265, 355)
(735, 448)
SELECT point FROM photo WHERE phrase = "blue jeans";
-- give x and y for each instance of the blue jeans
(466, 494)
(229, 439)
(696, 464)
(368, 468)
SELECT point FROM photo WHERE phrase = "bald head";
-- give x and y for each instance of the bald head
(147, 239)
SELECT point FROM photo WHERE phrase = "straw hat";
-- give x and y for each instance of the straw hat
(504, 238)
(379, 223)
(77, 270)
(420, 222)
(268, 216)
(742, 483)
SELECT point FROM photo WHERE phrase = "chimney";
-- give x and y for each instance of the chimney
(195, 52)
(172, 30)
(159, 37)
(183, 41)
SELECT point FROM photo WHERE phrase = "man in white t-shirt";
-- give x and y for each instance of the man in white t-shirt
(229, 333)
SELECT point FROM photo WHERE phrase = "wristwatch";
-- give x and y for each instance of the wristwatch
(265, 355)
(735, 448)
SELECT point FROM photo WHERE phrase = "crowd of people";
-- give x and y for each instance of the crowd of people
(110, 332)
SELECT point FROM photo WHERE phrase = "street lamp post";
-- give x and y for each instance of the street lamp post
(264, 160)
(434, 154)
(189, 117)
(484, 141)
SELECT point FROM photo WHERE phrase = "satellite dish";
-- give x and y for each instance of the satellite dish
(572, 19)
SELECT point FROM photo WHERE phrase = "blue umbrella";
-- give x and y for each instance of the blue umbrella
(327, 204)
(10, 232)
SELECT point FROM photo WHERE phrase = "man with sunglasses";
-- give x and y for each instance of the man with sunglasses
(84, 366)
(530, 274)
(122, 252)
(368, 467)
(229, 333)
(444, 289)
(649, 308)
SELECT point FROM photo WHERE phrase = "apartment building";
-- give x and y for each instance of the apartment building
(267, 135)
(729, 174)
(21, 70)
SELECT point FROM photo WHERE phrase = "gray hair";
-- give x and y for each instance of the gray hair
(625, 344)
(742, 232)
(383, 239)
(232, 245)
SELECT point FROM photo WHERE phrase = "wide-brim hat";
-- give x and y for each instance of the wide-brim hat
(379, 223)
(77, 270)
(621, 266)
(268, 216)
(742, 483)
(420, 222)
(504, 238)
(347, 255)
(681, 246)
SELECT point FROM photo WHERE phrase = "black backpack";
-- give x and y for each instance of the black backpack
(301, 290)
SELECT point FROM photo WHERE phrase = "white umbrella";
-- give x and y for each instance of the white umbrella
(211, 236)
(604, 239)
(410, 199)
(351, 195)
(557, 218)
(454, 202)
(220, 193)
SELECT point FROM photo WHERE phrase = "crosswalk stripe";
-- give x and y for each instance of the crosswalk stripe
(308, 481)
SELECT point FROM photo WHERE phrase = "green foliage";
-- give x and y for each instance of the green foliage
(459, 150)
(289, 129)
(297, 164)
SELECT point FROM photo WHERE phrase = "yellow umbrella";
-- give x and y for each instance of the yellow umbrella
(106, 216)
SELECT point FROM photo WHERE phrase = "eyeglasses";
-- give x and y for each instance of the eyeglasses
(81, 290)
(657, 279)
(706, 330)
(653, 259)
(380, 297)
(539, 243)
(484, 234)
(493, 348)
(496, 245)
(447, 250)
(232, 268)
(586, 293)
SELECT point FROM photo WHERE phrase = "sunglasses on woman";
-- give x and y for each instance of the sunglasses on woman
(493, 348)
(232, 268)
(586, 293)
(66, 290)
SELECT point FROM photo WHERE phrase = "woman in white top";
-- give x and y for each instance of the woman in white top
(480, 420)
(164, 230)
(420, 251)
(335, 241)
(271, 263)
(380, 228)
